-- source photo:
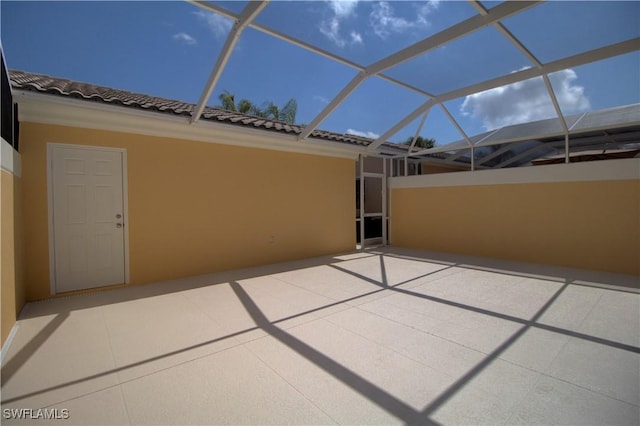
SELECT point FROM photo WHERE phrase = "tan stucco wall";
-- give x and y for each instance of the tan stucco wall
(197, 207)
(7, 274)
(591, 225)
(12, 295)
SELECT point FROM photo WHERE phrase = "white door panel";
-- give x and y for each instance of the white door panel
(88, 217)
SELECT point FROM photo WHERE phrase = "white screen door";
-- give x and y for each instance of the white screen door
(88, 217)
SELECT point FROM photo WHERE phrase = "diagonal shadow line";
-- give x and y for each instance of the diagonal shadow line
(461, 382)
(577, 277)
(384, 279)
(45, 333)
(587, 337)
(18, 360)
(365, 388)
(506, 317)
(527, 322)
(384, 284)
(23, 355)
(125, 367)
(383, 272)
(360, 276)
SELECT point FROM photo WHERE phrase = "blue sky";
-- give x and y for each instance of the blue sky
(168, 48)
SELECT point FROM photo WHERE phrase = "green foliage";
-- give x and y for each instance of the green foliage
(228, 101)
(268, 110)
(245, 106)
(288, 111)
(421, 142)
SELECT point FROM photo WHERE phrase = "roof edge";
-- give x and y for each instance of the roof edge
(64, 87)
(46, 109)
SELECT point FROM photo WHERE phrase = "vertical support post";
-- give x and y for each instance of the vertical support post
(406, 165)
(384, 201)
(361, 202)
(473, 158)
(419, 129)
(566, 148)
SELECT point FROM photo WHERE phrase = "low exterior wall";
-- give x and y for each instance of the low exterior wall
(582, 215)
(197, 207)
(7, 276)
(12, 295)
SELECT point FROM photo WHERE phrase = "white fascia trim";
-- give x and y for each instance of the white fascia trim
(10, 160)
(605, 170)
(50, 109)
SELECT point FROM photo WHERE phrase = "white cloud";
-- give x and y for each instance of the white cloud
(356, 38)
(185, 38)
(525, 101)
(343, 8)
(331, 27)
(570, 96)
(370, 135)
(384, 21)
(424, 10)
(217, 24)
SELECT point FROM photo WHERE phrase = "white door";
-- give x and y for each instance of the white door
(88, 217)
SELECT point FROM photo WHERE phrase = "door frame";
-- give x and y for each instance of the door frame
(361, 177)
(125, 206)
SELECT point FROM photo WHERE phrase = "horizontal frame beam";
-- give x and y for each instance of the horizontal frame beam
(590, 56)
(304, 45)
(448, 35)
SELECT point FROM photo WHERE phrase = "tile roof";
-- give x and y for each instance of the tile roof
(67, 88)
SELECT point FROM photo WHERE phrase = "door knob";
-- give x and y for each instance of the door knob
(118, 225)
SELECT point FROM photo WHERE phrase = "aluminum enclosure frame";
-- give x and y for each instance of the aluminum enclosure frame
(484, 18)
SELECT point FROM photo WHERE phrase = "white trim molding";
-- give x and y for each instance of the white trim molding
(622, 169)
(10, 159)
(50, 109)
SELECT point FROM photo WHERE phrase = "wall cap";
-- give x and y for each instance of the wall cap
(10, 160)
(619, 169)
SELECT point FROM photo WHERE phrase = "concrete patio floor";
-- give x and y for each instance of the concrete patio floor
(388, 336)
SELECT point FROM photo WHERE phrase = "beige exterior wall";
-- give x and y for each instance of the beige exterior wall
(590, 224)
(198, 207)
(12, 295)
(7, 274)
